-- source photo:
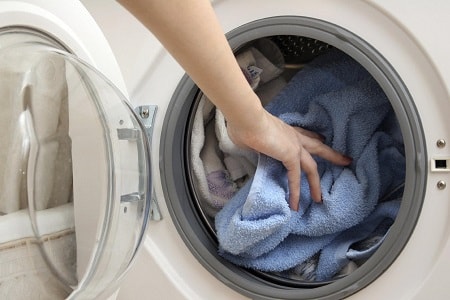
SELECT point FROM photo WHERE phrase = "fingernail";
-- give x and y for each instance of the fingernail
(348, 158)
(320, 200)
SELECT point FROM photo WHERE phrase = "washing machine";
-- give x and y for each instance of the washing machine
(399, 44)
(104, 143)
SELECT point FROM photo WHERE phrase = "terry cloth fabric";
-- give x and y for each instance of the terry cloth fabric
(336, 97)
(219, 167)
(210, 204)
(34, 91)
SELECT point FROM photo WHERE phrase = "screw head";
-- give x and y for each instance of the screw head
(145, 113)
(441, 184)
(441, 143)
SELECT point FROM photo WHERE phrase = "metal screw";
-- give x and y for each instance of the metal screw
(145, 113)
(441, 143)
(441, 184)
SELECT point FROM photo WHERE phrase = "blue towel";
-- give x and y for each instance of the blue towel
(337, 98)
(338, 253)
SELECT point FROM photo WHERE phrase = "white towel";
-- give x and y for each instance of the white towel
(220, 168)
(35, 151)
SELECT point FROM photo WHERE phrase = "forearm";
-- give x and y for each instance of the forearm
(190, 31)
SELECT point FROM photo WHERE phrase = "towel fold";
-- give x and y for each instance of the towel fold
(34, 91)
(338, 253)
(336, 97)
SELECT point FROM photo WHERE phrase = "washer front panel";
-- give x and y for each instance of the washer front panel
(402, 54)
(412, 42)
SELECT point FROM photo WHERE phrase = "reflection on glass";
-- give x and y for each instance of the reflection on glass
(73, 186)
(36, 175)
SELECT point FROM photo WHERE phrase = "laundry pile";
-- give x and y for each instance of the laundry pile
(337, 98)
(219, 167)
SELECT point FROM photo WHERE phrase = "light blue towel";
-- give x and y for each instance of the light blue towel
(337, 254)
(337, 98)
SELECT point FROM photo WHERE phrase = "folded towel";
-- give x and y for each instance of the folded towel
(337, 98)
(34, 90)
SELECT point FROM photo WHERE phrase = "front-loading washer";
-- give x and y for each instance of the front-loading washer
(179, 259)
(74, 170)
(400, 45)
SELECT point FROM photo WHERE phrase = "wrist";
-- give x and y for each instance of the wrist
(246, 113)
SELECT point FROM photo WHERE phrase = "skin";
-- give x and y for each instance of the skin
(183, 26)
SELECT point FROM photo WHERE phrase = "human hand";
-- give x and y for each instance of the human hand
(226, 86)
(267, 134)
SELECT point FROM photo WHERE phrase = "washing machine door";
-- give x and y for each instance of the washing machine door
(74, 174)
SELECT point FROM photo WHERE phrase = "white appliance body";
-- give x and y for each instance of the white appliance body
(408, 34)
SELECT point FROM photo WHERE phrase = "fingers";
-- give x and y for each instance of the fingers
(308, 165)
(313, 143)
(294, 182)
(310, 134)
(296, 155)
(331, 155)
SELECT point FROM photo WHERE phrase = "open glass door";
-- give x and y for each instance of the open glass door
(74, 173)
